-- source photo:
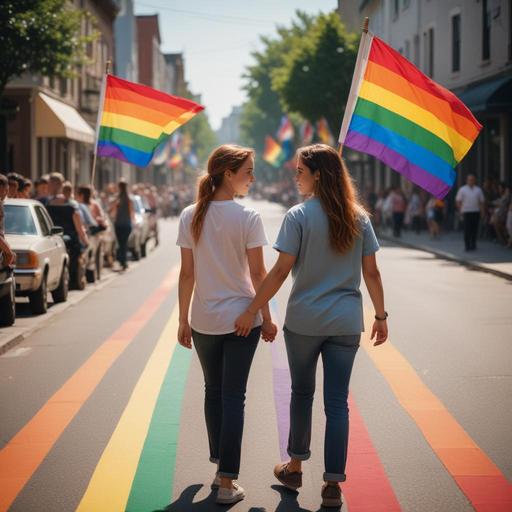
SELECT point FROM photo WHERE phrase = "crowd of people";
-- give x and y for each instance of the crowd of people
(96, 210)
(392, 210)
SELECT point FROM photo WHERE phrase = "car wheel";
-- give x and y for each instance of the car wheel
(60, 294)
(8, 306)
(39, 298)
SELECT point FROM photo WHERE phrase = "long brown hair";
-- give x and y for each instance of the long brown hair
(228, 157)
(337, 194)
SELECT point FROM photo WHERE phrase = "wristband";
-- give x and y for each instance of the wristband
(253, 314)
(382, 319)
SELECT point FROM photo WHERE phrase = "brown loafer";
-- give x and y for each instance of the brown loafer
(290, 480)
(331, 496)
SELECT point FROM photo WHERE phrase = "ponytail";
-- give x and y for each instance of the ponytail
(205, 190)
(227, 157)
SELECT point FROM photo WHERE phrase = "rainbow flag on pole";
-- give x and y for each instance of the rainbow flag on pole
(274, 154)
(324, 132)
(405, 119)
(134, 119)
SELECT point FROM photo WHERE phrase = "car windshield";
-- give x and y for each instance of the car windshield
(19, 221)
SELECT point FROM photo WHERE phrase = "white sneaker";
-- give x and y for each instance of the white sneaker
(216, 481)
(228, 496)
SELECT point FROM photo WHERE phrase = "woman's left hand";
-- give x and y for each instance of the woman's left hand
(243, 324)
(268, 330)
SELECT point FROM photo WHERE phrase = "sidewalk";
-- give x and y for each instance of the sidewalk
(489, 257)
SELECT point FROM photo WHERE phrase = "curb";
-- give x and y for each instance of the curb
(473, 265)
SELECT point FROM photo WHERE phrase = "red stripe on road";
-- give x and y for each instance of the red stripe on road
(367, 487)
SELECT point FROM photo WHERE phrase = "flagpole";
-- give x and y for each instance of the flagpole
(360, 54)
(98, 122)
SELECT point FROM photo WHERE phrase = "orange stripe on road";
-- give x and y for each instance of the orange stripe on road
(25, 452)
(476, 475)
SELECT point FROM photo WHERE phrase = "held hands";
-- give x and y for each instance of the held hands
(244, 323)
(268, 330)
(185, 335)
(380, 328)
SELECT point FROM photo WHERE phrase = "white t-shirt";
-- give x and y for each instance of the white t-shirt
(470, 198)
(223, 288)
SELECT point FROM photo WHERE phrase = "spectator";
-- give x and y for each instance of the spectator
(414, 211)
(123, 212)
(499, 215)
(6, 253)
(470, 203)
(14, 185)
(84, 196)
(87, 219)
(434, 218)
(42, 186)
(399, 206)
(25, 191)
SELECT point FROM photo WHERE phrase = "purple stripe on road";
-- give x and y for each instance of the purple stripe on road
(282, 385)
(396, 161)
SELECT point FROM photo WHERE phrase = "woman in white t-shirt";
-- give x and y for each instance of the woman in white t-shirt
(222, 263)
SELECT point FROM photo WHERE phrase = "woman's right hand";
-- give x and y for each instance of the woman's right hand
(185, 335)
(380, 328)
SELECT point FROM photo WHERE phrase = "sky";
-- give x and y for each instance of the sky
(217, 38)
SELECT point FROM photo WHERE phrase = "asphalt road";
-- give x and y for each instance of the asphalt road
(102, 411)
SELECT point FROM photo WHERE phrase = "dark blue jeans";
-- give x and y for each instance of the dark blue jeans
(226, 361)
(122, 235)
(338, 354)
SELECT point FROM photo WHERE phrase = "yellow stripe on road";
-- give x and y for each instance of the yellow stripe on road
(111, 482)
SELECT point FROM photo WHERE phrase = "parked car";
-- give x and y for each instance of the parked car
(42, 262)
(7, 294)
(140, 232)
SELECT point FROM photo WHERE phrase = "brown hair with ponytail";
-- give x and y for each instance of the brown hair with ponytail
(336, 193)
(228, 157)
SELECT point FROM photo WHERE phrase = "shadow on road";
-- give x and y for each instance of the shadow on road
(289, 501)
(185, 501)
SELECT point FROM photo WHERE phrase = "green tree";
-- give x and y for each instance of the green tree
(41, 37)
(262, 112)
(316, 76)
(199, 128)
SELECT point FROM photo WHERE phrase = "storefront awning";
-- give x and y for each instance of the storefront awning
(492, 96)
(57, 119)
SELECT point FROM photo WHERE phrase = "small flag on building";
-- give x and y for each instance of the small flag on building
(274, 154)
(134, 119)
(405, 119)
(306, 132)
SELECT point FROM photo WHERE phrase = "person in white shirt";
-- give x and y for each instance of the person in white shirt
(222, 263)
(470, 203)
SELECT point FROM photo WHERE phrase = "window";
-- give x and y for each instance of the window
(486, 29)
(456, 43)
(19, 221)
(396, 9)
(408, 49)
(45, 228)
(429, 52)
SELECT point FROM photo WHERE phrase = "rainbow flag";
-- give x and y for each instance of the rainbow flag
(274, 154)
(324, 132)
(306, 132)
(134, 119)
(285, 131)
(405, 119)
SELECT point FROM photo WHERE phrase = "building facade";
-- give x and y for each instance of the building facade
(229, 131)
(465, 46)
(53, 128)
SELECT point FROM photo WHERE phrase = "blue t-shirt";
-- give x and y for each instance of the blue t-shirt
(325, 299)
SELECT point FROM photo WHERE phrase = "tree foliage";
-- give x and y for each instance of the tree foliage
(263, 111)
(199, 128)
(41, 37)
(316, 76)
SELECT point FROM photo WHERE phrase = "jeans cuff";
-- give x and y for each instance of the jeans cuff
(334, 477)
(233, 476)
(302, 456)
(214, 460)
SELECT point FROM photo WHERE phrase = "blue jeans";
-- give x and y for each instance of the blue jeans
(338, 354)
(226, 361)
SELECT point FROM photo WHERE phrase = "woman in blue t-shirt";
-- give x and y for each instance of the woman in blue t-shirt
(326, 242)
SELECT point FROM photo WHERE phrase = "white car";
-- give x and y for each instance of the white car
(140, 232)
(41, 263)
